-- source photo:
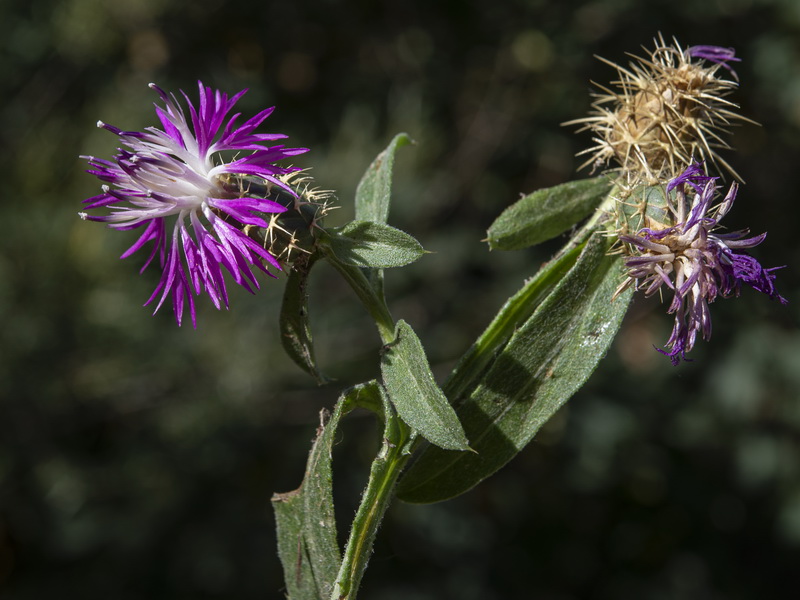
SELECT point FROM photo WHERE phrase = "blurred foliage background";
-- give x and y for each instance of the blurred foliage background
(137, 458)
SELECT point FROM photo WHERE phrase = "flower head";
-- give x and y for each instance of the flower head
(664, 111)
(178, 174)
(689, 257)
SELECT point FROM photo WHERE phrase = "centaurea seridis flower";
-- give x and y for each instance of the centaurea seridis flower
(178, 172)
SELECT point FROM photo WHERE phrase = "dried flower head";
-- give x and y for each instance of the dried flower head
(663, 112)
(179, 172)
(681, 250)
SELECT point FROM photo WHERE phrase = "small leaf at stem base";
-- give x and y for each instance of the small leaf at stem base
(294, 322)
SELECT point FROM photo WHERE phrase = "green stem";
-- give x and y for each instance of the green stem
(396, 450)
(376, 499)
(515, 311)
(372, 301)
(391, 459)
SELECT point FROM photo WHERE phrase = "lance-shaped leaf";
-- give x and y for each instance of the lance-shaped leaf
(372, 245)
(307, 543)
(294, 323)
(547, 213)
(516, 311)
(544, 363)
(374, 195)
(374, 191)
(414, 393)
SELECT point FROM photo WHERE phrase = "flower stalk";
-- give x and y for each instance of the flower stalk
(377, 497)
(372, 301)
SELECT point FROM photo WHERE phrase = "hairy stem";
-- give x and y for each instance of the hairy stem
(377, 496)
(372, 301)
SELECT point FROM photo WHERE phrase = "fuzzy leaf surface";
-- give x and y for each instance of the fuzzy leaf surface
(306, 527)
(544, 363)
(374, 191)
(373, 245)
(414, 393)
(546, 213)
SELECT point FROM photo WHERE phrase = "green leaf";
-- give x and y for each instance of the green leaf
(414, 393)
(372, 245)
(544, 363)
(369, 396)
(547, 213)
(374, 191)
(374, 194)
(517, 309)
(306, 527)
(294, 324)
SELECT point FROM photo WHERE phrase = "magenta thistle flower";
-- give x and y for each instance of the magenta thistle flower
(178, 172)
(691, 259)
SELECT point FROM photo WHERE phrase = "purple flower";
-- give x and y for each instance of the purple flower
(715, 54)
(178, 172)
(693, 261)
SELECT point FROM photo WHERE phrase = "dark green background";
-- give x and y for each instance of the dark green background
(137, 459)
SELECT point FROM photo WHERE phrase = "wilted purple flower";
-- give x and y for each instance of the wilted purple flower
(715, 54)
(692, 260)
(179, 172)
